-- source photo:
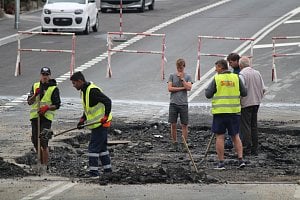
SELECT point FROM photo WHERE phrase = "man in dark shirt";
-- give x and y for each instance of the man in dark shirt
(97, 108)
(44, 99)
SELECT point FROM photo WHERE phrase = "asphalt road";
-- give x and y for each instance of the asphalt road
(136, 79)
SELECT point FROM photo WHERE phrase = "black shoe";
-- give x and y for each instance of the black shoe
(220, 166)
(91, 176)
(241, 164)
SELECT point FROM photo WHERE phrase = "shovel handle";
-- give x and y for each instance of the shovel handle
(72, 129)
(189, 152)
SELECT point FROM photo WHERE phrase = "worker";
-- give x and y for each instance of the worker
(44, 99)
(225, 90)
(178, 85)
(97, 108)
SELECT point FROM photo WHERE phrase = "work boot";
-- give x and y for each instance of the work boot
(105, 178)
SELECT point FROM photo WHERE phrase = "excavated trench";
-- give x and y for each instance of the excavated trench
(149, 157)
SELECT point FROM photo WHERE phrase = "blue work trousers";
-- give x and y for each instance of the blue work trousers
(98, 149)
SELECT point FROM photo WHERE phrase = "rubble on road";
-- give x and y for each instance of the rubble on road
(152, 159)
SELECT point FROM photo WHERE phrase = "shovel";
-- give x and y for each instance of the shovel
(47, 134)
(189, 152)
(207, 148)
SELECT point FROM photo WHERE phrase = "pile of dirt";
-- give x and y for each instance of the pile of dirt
(10, 170)
(150, 157)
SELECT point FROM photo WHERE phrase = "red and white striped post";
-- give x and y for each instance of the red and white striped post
(219, 55)
(274, 54)
(72, 51)
(110, 49)
(121, 37)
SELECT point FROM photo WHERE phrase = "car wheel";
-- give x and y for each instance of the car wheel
(44, 30)
(104, 10)
(95, 27)
(87, 27)
(151, 7)
(142, 8)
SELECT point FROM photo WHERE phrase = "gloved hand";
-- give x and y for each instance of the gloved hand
(104, 119)
(37, 91)
(43, 109)
(80, 123)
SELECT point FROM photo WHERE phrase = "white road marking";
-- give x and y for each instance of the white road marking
(261, 46)
(57, 191)
(292, 21)
(41, 191)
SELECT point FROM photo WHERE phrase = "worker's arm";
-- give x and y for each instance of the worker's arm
(96, 96)
(211, 89)
(243, 89)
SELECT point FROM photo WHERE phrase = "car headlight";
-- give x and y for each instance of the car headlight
(78, 11)
(47, 11)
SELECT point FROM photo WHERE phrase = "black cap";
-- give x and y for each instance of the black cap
(45, 70)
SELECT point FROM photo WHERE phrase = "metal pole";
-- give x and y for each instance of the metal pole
(17, 14)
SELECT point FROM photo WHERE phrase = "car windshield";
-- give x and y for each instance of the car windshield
(67, 1)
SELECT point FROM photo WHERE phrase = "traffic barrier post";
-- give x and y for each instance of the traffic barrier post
(110, 50)
(19, 50)
(199, 54)
(274, 54)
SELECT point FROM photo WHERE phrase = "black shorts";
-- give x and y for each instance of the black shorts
(223, 122)
(45, 123)
(181, 110)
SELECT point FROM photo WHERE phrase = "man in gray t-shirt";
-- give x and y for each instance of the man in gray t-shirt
(178, 85)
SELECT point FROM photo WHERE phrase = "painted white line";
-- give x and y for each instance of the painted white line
(292, 21)
(57, 191)
(259, 36)
(13, 37)
(261, 46)
(41, 191)
(297, 192)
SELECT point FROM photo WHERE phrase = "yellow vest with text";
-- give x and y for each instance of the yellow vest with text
(95, 113)
(227, 97)
(46, 100)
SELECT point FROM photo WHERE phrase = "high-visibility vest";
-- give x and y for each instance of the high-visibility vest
(227, 97)
(95, 113)
(46, 100)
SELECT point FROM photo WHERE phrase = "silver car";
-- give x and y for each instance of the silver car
(140, 5)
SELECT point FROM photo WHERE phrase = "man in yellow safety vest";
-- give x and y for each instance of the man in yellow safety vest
(225, 90)
(97, 108)
(44, 99)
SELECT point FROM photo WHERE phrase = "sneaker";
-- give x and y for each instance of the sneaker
(241, 164)
(221, 166)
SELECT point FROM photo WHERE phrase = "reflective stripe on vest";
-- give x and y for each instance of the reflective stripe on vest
(227, 97)
(46, 100)
(95, 113)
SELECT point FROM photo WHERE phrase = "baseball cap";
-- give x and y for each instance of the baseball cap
(45, 70)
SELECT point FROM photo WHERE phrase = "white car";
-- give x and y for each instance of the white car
(126, 4)
(70, 15)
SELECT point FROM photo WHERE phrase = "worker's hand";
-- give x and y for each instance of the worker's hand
(43, 109)
(80, 123)
(104, 119)
(37, 91)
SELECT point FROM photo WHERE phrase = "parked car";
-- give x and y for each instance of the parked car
(126, 4)
(70, 15)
